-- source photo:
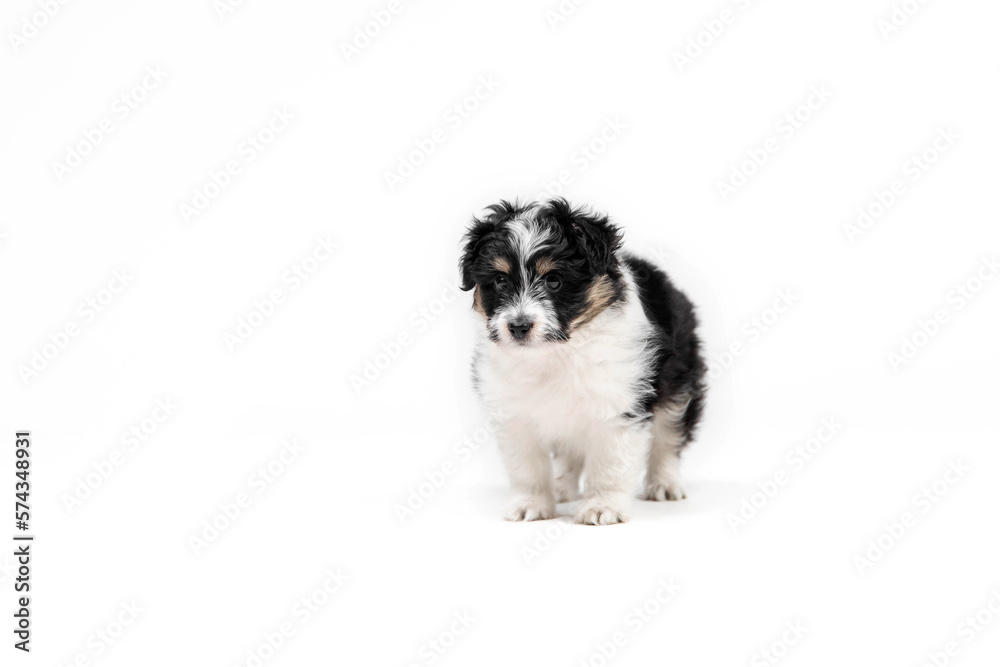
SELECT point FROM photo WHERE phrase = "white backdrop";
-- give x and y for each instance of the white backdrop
(228, 246)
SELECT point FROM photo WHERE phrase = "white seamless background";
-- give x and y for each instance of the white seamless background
(854, 235)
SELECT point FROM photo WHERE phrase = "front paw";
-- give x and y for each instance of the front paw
(530, 509)
(600, 512)
(664, 489)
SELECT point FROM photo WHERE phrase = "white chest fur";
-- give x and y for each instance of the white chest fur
(569, 390)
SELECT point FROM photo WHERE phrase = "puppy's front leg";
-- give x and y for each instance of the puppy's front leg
(611, 469)
(530, 470)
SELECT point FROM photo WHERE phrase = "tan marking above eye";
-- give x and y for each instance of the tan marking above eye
(544, 265)
(501, 265)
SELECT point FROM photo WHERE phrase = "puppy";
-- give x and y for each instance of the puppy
(587, 359)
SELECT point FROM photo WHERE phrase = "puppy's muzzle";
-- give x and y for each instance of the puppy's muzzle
(520, 328)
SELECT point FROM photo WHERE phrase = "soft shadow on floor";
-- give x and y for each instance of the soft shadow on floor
(702, 496)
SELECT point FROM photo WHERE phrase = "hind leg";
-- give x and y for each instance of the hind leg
(663, 470)
(567, 468)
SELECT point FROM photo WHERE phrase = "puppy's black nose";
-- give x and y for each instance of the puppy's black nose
(519, 329)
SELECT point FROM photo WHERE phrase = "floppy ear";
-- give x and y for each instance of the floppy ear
(474, 240)
(593, 234)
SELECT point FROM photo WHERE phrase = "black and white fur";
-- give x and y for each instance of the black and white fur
(588, 360)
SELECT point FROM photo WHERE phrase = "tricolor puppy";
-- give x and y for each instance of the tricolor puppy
(588, 360)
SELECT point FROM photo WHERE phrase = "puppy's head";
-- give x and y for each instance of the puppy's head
(540, 272)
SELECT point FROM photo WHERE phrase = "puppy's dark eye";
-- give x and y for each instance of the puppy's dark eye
(500, 282)
(552, 283)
